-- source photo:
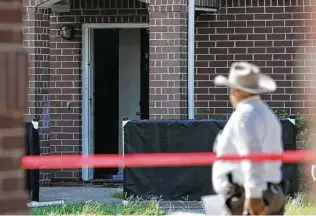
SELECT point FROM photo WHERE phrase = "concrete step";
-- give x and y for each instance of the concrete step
(118, 177)
(177, 206)
(181, 204)
(214, 206)
(181, 213)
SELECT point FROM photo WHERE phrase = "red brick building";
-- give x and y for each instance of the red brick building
(128, 58)
(13, 82)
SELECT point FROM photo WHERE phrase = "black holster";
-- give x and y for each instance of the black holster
(235, 197)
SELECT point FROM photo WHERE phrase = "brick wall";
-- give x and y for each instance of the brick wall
(168, 64)
(271, 34)
(36, 41)
(278, 36)
(268, 33)
(168, 60)
(13, 61)
(65, 69)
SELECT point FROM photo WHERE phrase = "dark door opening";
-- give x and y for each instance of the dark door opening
(106, 96)
(107, 93)
(144, 77)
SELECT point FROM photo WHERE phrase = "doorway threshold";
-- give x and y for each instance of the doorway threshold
(97, 181)
(108, 183)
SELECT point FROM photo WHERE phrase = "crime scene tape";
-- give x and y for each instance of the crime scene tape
(157, 159)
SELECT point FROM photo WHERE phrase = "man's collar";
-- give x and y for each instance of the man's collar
(249, 99)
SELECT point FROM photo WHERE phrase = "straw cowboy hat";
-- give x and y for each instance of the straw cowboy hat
(248, 78)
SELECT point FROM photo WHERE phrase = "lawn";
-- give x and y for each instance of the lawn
(298, 206)
(301, 205)
(151, 208)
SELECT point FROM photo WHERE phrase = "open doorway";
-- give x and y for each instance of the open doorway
(119, 87)
(106, 96)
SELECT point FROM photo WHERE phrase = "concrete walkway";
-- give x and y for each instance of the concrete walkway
(103, 195)
(79, 194)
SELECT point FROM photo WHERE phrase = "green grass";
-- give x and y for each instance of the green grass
(301, 205)
(298, 206)
(121, 195)
(136, 208)
(117, 195)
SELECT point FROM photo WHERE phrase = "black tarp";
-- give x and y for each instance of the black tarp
(172, 136)
(290, 171)
(32, 147)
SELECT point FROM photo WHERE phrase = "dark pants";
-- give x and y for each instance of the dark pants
(273, 197)
(280, 212)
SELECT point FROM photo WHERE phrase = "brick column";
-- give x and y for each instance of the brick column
(13, 76)
(168, 59)
(36, 32)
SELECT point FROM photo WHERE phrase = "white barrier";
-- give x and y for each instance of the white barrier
(313, 172)
(44, 204)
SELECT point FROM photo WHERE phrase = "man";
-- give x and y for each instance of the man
(253, 127)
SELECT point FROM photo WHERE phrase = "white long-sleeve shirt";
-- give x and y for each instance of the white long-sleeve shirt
(253, 127)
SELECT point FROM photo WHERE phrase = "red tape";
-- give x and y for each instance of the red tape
(156, 160)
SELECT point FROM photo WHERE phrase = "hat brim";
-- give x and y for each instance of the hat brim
(265, 84)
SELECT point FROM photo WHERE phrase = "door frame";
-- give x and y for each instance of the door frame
(87, 138)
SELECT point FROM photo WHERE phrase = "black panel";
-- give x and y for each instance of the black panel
(180, 183)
